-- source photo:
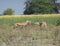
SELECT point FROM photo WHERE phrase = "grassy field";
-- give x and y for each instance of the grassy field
(32, 35)
(52, 19)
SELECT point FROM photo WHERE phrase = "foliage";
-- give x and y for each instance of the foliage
(58, 22)
(40, 6)
(8, 11)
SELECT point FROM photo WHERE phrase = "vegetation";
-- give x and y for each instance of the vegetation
(47, 17)
(8, 11)
(40, 7)
(32, 35)
(58, 22)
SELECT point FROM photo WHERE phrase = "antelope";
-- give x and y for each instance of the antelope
(41, 24)
(22, 24)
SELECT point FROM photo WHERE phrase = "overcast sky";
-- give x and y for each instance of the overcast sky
(17, 5)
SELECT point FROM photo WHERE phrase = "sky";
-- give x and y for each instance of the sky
(17, 5)
(58, 1)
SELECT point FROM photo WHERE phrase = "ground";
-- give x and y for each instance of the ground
(32, 35)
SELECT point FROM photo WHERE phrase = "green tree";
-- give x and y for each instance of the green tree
(40, 6)
(8, 11)
(28, 8)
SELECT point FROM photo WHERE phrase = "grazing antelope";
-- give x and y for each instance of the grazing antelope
(22, 24)
(41, 24)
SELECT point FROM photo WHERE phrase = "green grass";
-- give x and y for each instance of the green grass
(12, 20)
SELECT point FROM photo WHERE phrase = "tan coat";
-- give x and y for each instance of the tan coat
(22, 24)
(41, 24)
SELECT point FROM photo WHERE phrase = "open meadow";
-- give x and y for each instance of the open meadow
(31, 35)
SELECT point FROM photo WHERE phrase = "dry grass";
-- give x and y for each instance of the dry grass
(30, 36)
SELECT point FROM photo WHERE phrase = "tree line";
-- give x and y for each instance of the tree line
(40, 7)
(36, 7)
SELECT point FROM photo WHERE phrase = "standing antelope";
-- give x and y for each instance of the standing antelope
(22, 24)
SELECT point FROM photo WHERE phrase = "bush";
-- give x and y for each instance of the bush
(58, 22)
